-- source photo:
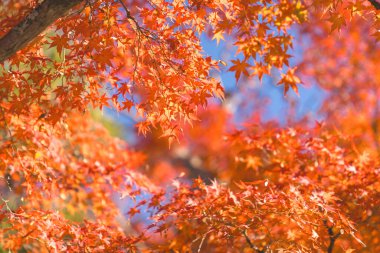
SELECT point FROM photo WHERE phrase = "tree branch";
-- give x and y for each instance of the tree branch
(251, 245)
(33, 24)
(138, 28)
(332, 236)
(375, 4)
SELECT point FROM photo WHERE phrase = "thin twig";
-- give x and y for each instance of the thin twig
(29, 233)
(7, 206)
(248, 240)
(251, 245)
(202, 241)
(139, 29)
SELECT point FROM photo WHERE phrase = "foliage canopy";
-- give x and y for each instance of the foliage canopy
(68, 185)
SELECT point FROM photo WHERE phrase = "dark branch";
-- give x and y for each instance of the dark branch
(251, 245)
(33, 24)
(332, 236)
(138, 27)
(375, 4)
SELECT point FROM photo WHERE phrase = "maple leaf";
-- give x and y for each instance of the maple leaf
(60, 42)
(133, 211)
(240, 67)
(289, 80)
(218, 36)
(337, 22)
(259, 70)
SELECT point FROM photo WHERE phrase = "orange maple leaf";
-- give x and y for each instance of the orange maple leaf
(290, 80)
(240, 67)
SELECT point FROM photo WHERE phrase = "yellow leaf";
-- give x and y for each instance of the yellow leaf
(218, 36)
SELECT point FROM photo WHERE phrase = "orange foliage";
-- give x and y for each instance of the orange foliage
(221, 187)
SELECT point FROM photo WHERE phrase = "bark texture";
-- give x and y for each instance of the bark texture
(376, 4)
(33, 24)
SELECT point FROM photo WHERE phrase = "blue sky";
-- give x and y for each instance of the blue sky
(308, 102)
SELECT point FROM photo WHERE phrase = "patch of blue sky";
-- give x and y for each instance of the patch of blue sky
(277, 108)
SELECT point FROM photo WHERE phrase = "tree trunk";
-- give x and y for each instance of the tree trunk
(33, 24)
